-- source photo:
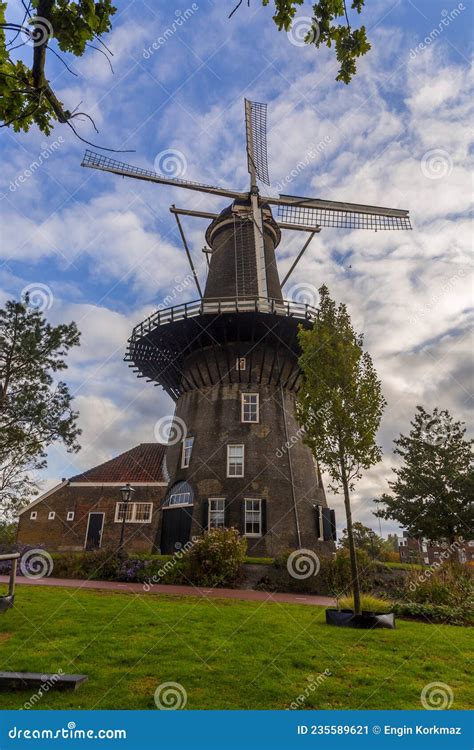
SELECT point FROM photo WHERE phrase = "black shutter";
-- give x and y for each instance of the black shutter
(264, 516)
(327, 529)
(317, 521)
(333, 525)
(242, 517)
(227, 523)
(205, 515)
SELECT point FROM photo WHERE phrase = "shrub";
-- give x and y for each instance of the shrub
(449, 584)
(215, 559)
(462, 615)
(368, 603)
(101, 565)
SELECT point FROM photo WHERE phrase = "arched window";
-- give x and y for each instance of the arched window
(181, 493)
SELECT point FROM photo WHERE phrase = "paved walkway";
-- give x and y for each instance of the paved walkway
(137, 588)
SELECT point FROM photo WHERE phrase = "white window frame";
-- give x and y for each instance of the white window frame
(131, 516)
(181, 504)
(241, 363)
(212, 511)
(242, 408)
(33, 515)
(258, 500)
(70, 515)
(235, 445)
(186, 451)
(51, 515)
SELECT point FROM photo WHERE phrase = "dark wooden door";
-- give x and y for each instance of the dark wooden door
(94, 530)
(176, 529)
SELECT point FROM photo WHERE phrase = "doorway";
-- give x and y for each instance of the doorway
(95, 525)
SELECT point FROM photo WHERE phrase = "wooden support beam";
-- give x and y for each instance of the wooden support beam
(298, 258)
(185, 244)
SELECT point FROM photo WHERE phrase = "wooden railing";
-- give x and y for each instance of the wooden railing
(223, 305)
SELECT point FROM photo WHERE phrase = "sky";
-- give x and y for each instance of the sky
(104, 251)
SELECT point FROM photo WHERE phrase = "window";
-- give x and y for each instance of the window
(253, 517)
(181, 493)
(51, 515)
(216, 513)
(70, 515)
(241, 363)
(235, 460)
(179, 498)
(135, 512)
(187, 450)
(249, 407)
(33, 515)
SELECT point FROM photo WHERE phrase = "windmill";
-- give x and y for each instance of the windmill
(230, 362)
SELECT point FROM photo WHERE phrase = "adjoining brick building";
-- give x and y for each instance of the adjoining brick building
(86, 512)
(426, 553)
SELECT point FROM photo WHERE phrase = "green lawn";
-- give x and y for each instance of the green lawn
(226, 654)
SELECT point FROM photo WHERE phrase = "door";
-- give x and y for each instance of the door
(176, 529)
(95, 525)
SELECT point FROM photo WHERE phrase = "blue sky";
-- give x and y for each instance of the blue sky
(104, 251)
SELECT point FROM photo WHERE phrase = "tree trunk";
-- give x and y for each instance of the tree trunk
(350, 539)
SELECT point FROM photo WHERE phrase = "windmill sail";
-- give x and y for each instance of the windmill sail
(313, 212)
(106, 164)
(256, 132)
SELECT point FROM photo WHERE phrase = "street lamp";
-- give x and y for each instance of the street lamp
(126, 493)
(372, 536)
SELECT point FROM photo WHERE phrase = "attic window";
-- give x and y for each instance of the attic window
(241, 363)
(33, 515)
(70, 515)
(51, 515)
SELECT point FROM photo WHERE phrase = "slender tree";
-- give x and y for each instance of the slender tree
(35, 411)
(340, 405)
(432, 493)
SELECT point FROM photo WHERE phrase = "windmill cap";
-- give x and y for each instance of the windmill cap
(242, 209)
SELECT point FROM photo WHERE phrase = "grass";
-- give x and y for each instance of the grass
(405, 566)
(227, 654)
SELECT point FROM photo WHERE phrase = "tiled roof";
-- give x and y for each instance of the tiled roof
(144, 463)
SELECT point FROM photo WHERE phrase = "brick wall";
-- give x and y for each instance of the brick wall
(62, 535)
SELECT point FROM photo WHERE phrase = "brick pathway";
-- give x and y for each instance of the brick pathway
(137, 588)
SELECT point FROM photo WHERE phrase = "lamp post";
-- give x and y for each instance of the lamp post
(372, 536)
(126, 493)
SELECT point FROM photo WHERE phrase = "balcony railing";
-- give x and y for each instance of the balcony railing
(224, 305)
